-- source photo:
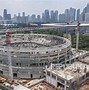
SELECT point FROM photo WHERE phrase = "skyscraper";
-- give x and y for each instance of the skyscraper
(5, 16)
(43, 18)
(56, 16)
(72, 14)
(33, 18)
(78, 14)
(19, 18)
(15, 19)
(38, 18)
(0, 17)
(23, 17)
(9, 16)
(47, 17)
(86, 17)
(62, 18)
(67, 15)
(85, 10)
(52, 16)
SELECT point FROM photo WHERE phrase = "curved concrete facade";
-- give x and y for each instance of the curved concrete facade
(30, 53)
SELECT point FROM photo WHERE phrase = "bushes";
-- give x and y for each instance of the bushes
(83, 41)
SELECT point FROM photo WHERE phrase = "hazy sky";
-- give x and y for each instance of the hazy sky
(38, 6)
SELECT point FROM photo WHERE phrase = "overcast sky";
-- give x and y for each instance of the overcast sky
(38, 6)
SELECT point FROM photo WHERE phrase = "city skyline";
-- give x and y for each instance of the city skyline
(47, 16)
(38, 6)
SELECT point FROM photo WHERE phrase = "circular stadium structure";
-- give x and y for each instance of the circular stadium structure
(30, 53)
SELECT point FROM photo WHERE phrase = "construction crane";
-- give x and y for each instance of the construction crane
(8, 42)
(70, 57)
(77, 36)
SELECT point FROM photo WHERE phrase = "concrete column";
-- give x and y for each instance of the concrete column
(56, 81)
(65, 85)
(70, 57)
(65, 56)
(58, 53)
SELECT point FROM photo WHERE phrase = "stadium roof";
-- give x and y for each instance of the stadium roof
(64, 25)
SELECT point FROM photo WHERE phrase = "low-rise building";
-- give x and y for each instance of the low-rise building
(69, 77)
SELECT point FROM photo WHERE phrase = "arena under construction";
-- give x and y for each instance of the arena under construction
(30, 53)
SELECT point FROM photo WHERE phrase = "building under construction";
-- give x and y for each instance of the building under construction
(69, 77)
(26, 55)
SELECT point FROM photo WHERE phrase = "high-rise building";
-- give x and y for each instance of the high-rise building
(23, 17)
(81, 17)
(9, 16)
(38, 18)
(14, 19)
(23, 14)
(27, 19)
(19, 14)
(0, 17)
(43, 18)
(5, 16)
(47, 17)
(78, 14)
(85, 10)
(86, 17)
(33, 18)
(72, 14)
(52, 16)
(62, 18)
(67, 15)
(19, 18)
(56, 16)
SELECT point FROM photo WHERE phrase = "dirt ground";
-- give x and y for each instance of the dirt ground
(45, 85)
(84, 86)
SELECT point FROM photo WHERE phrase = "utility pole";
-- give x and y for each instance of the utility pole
(8, 41)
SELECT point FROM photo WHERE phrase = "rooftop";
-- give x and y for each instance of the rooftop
(71, 72)
(65, 24)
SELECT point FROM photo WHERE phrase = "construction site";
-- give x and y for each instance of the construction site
(36, 84)
(42, 62)
(69, 77)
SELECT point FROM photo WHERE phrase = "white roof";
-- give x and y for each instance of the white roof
(65, 25)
